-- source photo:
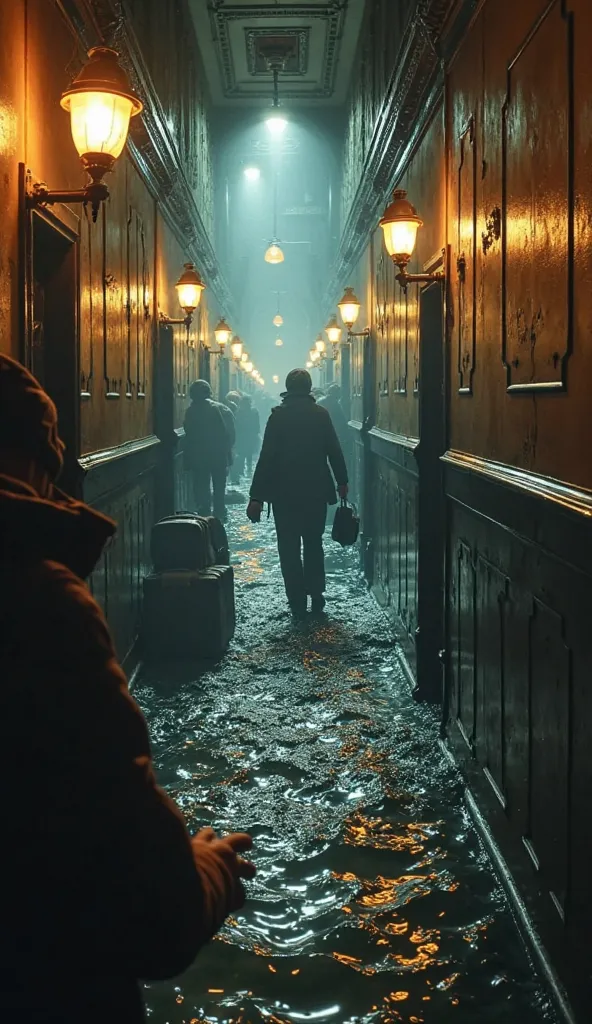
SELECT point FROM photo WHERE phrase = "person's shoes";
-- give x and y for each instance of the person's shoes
(317, 605)
(298, 609)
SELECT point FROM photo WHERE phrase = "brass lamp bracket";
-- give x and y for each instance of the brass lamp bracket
(359, 334)
(171, 321)
(94, 193)
(426, 277)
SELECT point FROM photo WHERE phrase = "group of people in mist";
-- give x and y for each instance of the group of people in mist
(300, 469)
(103, 884)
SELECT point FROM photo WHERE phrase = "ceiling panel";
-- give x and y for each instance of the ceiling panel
(318, 40)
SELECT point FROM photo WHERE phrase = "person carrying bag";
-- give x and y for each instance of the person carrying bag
(346, 525)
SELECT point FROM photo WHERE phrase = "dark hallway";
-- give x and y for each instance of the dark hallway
(269, 262)
(374, 899)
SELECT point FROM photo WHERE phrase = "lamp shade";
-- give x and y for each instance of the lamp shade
(244, 358)
(189, 288)
(278, 343)
(314, 355)
(222, 333)
(278, 320)
(320, 345)
(236, 348)
(248, 367)
(399, 224)
(333, 331)
(349, 307)
(274, 254)
(275, 379)
(100, 102)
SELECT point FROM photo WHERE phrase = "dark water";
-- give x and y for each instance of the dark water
(374, 901)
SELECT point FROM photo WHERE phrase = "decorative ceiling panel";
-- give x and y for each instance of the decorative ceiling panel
(316, 40)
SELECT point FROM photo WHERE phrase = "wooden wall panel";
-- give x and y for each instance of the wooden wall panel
(528, 92)
(12, 129)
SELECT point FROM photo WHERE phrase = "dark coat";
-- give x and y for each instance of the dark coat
(299, 445)
(99, 884)
(248, 427)
(207, 440)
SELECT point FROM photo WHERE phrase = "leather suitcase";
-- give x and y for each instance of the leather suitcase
(219, 540)
(181, 541)
(188, 614)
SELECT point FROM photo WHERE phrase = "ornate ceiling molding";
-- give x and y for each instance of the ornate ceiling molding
(221, 14)
(415, 88)
(150, 141)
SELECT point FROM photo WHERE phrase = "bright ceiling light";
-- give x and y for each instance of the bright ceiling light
(276, 125)
(252, 173)
(278, 320)
(278, 343)
(274, 254)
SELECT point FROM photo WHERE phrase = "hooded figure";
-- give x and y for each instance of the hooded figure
(209, 436)
(293, 474)
(102, 883)
(332, 403)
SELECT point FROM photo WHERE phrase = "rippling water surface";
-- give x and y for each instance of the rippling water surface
(374, 901)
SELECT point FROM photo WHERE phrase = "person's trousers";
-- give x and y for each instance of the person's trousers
(299, 528)
(205, 480)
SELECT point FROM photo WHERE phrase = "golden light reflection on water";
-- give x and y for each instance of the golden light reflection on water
(248, 567)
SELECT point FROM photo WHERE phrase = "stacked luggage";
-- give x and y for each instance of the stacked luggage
(189, 607)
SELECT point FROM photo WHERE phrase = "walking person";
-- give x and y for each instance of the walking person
(293, 474)
(104, 886)
(332, 403)
(208, 449)
(248, 429)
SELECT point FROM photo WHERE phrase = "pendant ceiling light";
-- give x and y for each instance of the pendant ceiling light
(278, 343)
(276, 124)
(274, 254)
(278, 320)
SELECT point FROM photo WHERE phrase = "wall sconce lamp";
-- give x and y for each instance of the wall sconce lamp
(189, 289)
(247, 367)
(236, 349)
(309, 364)
(399, 224)
(275, 379)
(222, 334)
(314, 356)
(349, 308)
(101, 103)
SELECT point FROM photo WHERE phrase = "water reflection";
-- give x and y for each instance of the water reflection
(374, 902)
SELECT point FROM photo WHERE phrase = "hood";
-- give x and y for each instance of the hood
(57, 529)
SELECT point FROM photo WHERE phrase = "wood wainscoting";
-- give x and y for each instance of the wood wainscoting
(519, 666)
(121, 483)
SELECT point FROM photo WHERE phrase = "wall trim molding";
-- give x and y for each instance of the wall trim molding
(150, 143)
(566, 497)
(109, 469)
(397, 449)
(387, 437)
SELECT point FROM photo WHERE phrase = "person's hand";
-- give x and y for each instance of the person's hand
(254, 510)
(226, 852)
(342, 490)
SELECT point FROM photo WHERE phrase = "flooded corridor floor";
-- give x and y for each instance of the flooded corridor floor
(374, 901)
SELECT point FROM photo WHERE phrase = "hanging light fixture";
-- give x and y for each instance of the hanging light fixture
(274, 253)
(333, 331)
(276, 124)
(222, 334)
(278, 320)
(244, 358)
(236, 348)
(278, 343)
(101, 103)
(399, 224)
(275, 379)
(309, 364)
(320, 344)
(248, 366)
(349, 308)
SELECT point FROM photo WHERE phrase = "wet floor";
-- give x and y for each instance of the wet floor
(374, 901)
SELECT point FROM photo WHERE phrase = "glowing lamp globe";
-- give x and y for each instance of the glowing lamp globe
(101, 103)
(189, 288)
(222, 333)
(252, 173)
(333, 331)
(399, 224)
(276, 125)
(236, 348)
(278, 343)
(349, 307)
(276, 379)
(320, 345)
(309, 364)
(248, 367)
(278, 320)
(274, 254)
(244, 358)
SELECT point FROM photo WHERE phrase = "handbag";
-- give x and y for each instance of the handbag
(346, 525)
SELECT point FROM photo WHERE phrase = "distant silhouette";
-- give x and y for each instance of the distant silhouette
(293, 474)
(209, 436)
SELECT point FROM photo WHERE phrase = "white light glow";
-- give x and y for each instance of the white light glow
(276, 125)
(252, 173)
